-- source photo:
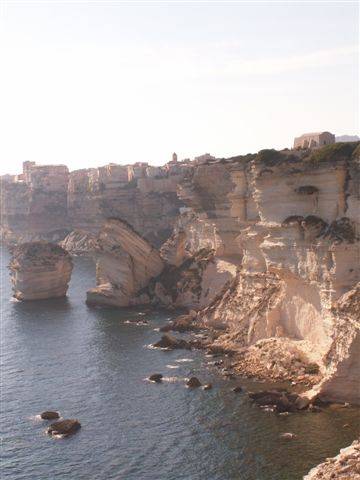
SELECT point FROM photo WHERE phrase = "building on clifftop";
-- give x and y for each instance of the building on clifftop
(313, 140)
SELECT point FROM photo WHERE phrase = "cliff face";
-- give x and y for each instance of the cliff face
(40, 270)
(289, 222)
(49, 203)
(150, 205)
(126, 263)
(35, 208)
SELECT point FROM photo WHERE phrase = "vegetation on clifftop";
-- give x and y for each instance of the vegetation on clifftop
(335, 151)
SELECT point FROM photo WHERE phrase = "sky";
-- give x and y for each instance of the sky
(86, 83)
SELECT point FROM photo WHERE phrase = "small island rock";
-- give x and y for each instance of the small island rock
(193, 382)
(64, 427)
(237, 389)
(49, 415)
(170, 342)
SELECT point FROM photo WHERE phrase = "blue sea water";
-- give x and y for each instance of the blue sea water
(91, 364)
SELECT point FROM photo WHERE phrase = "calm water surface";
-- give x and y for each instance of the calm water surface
(91, 365)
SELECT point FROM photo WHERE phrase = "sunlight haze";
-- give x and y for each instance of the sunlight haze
(85, 86)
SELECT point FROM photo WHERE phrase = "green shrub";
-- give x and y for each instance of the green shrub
(335, 151)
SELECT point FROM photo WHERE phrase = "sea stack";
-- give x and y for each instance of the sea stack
(40, 270)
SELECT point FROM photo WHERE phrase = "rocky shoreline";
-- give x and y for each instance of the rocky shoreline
(344, 466)
(261, 251)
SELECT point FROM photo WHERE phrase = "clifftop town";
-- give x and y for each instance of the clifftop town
(47, 202)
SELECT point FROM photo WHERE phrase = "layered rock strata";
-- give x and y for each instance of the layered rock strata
(47, 202)
(36, 206)
(40, 270)
(126, 263)
(289, 223)
(298, 224)
(150, 205)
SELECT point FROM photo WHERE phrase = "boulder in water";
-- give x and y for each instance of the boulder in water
(281, 400)
(208, 386)
(193, 382)
(64, 427)
(170, 342)
(237, 389)
(156, 377)
(49, 415)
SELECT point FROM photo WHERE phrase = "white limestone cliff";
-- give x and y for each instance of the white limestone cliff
(126, 263)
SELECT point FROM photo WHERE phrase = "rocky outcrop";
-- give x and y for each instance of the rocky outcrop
(344, 466)
(49, 415)
(193, 284)
(172, 343)
(40, 270)
(64, 428)
(341, 380)
(126, 263)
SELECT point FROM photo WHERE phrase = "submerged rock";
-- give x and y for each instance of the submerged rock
(182, 323)
(64, 427)
(40, 270)
(237, 389)
(170, 342)
(281, 401)
(156, 377)
(288, 435)
(208, 386)
(49, 415)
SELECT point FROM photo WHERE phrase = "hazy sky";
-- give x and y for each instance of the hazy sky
(92, 82)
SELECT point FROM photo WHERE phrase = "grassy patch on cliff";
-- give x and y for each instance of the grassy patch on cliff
(335, 151)
(271, 157)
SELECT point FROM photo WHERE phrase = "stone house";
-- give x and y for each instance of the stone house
(313, 140)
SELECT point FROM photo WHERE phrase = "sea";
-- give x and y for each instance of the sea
(92, 364)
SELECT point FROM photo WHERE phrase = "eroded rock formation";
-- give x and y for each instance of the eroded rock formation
(40, 270)
(289, 223)
(264, 249)
(126, 263)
